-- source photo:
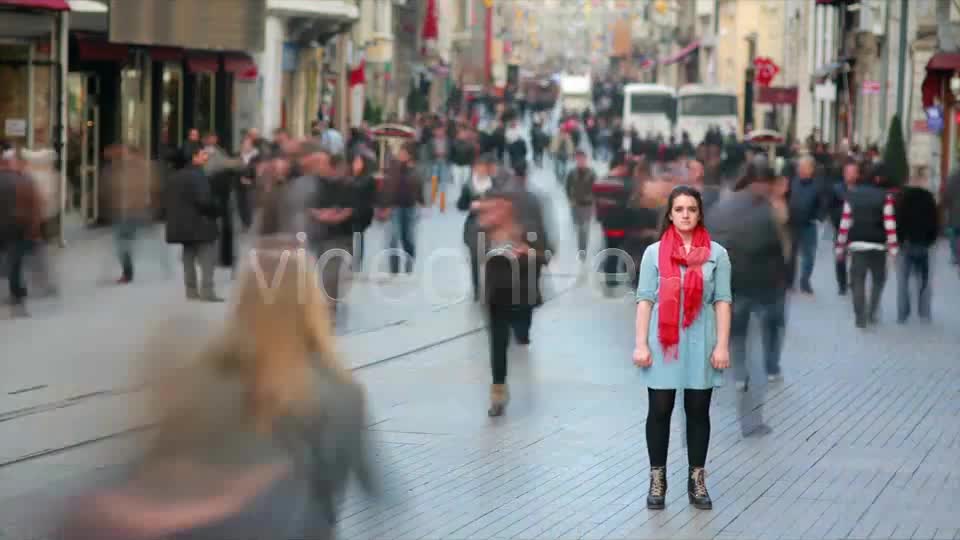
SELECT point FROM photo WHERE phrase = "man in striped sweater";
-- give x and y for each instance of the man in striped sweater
(868, 230)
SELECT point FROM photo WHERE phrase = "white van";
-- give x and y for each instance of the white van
(650, 109)
(701, 107)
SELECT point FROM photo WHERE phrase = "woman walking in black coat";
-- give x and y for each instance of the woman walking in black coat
(513, 224)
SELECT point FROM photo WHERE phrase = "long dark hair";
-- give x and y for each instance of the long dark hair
(665, 222)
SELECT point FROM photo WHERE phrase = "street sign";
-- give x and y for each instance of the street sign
(825, 92)
(777, 95)
(871, 88)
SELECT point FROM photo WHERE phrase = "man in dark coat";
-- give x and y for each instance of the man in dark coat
(192, 214)
(744, 223)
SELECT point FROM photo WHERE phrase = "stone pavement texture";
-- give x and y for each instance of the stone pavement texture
(866, 442)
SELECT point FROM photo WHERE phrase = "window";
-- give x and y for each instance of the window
(382, 20)
(203, 103)
(378, 17)
(171, 132)
(708, 105)
(466, 15)
(651, 103)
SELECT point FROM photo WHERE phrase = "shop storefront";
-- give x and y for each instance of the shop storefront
(940, 98)
(30, 71)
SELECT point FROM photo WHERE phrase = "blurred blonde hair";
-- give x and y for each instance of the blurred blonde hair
(279, 332)
(277, 336)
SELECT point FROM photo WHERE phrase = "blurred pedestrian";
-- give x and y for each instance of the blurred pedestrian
(752, 223)
(579, 188)
(257, 436)
(514, 230)
(192, 214)
(868, 230)
(917, 231)
(403, 195)
(808, 196)
(129, 179)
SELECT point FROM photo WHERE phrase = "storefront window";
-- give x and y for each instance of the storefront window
(14, 93)
(203, 104)
(171, 114)
(134, 113)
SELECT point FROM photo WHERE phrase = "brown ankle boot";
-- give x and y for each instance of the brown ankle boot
(498, 399)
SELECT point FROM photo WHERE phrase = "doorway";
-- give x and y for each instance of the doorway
(83, 140)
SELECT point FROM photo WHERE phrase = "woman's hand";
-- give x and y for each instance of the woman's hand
(642, 357)
(720, 359)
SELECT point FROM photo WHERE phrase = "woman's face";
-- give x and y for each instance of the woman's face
(685, 213)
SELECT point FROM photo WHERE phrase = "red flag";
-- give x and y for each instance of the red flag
(430, 26)
(358, 74)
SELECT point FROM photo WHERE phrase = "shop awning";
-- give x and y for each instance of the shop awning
(237, 63)
(55, 5)
(98, 49)
(166, 54)
(939, 69)
(202, 63)
(944, 61)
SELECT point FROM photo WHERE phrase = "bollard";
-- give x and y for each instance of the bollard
(433, 190)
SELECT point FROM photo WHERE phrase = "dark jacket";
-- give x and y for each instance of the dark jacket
(744, 224)
(366, 197)
(838, 195)
(502, 285)
(917, 217)
(402, 186)
(357, 194)
(866, 208)
(191, 208)
(807, 201)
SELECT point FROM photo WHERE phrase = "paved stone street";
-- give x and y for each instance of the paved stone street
(866, 442)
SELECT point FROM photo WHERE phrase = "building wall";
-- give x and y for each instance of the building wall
(739, 19)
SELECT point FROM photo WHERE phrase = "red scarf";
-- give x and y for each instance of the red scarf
(671, 257)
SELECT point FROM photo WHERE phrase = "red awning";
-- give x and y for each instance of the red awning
(98, 49)
(939, 68)
(237, 63)
(944, 61)
(55, 5)
(203, 63)
(242, 66)
(166, 54)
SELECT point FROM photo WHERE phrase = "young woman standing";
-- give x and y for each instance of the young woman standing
(683, 329)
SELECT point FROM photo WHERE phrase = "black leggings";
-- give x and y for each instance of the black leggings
(502, 318)
(696, 403)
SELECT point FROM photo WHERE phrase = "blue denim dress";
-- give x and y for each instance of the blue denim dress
(691, 369)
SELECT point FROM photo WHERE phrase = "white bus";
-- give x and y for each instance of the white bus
(650, 109)
(576, 93)
(701, 107)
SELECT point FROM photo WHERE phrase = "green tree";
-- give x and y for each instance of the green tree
(895, 154)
